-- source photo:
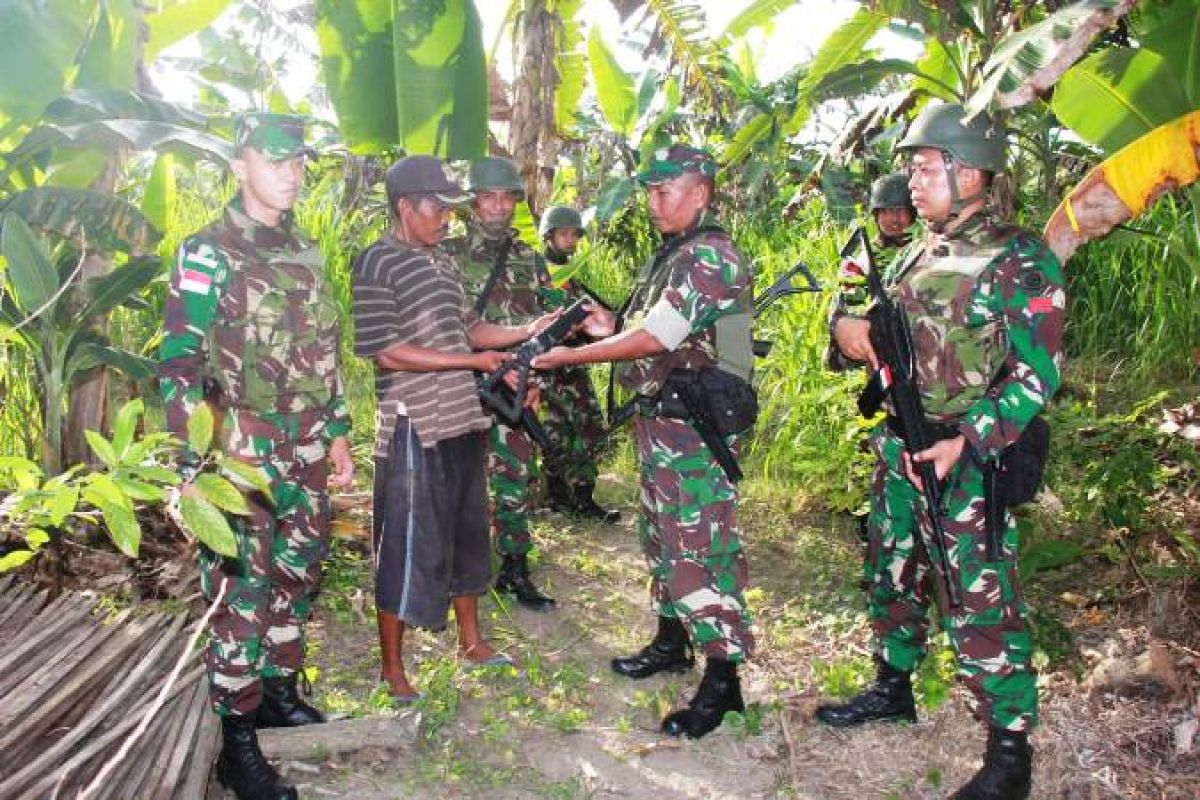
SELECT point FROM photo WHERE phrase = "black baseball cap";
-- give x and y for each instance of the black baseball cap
(423, 175)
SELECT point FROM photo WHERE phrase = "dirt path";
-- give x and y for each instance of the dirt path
(566, 727)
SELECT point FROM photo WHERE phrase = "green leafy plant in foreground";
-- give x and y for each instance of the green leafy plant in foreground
(132, 472)
(199, 505)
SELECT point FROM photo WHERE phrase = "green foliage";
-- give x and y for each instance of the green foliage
(1119, 94)
(177, 20)
(51, 316)
(401, 72)
(132, 472)
(200, 506)
(614, 86)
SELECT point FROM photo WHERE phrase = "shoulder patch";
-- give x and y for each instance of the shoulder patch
(1032, 280)
(200, 266)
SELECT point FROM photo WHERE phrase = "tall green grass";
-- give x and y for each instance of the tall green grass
(1133, 298)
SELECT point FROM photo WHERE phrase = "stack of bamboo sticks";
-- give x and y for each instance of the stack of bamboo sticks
(76, 684)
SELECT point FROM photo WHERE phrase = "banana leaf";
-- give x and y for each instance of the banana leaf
(1124, 185)
(107, 222)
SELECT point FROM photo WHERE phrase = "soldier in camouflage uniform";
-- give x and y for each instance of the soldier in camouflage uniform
(252, 330)
(986, 304)
(891, 207)
(518, 289)
(695, 293)
(573, 419)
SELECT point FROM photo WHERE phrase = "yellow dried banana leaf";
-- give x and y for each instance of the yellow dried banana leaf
(1125, 184)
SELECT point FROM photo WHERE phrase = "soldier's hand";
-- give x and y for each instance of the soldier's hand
(944, 455)
(533, 395)
(342, 473)
(489, 360)
(553, 358)
(600, 322)
(853, 337)
(541, 323)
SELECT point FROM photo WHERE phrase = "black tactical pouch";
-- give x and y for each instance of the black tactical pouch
(730, 402)
(1023, 464)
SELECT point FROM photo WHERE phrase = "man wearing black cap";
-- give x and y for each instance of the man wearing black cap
(690, 315)
(430, 524)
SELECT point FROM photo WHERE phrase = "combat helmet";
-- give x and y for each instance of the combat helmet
(977, 143)
(491, 174)
(559, 217)
(890, 191)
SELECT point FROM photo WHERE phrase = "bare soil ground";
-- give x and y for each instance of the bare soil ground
(1119, 704)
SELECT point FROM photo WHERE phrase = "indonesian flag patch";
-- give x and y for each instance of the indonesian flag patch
(193, 280)
(1041, 305)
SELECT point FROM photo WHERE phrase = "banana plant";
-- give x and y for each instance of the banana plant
(406, 73)
(47, 310)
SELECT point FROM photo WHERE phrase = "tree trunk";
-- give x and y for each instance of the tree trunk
(533, 135)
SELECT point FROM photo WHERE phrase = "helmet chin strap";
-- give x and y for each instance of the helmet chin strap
(957, 202)
(556, 256)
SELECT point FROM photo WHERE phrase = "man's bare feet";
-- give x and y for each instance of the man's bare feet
(399, 686)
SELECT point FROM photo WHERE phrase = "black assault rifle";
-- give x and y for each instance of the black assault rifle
(895, 380)
(492, 387)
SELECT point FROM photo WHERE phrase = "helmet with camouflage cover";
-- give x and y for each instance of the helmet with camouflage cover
(978, 142)
(494, 174)
(559, 217)
(890, 191)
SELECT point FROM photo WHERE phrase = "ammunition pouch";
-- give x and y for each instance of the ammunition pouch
(1023, 464)
(730, 402)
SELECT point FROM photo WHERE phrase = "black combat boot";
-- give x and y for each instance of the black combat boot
(514, 579)
(669, 652)
(1007, 769)
(241, 766)
(282, 706)
(559, 496)
(889, 698)
(720, 691)
(587, 507)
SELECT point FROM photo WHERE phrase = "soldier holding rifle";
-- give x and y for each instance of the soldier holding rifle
(691, 315)
(984, 306)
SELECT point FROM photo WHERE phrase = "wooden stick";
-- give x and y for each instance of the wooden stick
(39, 790)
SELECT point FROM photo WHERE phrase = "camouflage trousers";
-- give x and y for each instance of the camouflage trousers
(257, 630)
(689, 533)
(575, 425)
(510, 472)
(992, 644)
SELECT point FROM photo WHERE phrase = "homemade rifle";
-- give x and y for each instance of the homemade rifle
(509, 404)
(895, 380)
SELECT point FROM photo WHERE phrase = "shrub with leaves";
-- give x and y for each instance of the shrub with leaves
(198, 505)
(133, 472)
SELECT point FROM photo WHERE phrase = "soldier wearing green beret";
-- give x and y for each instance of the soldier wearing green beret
(252, 330)
(690, 313)
(985, 303)
(572, 413)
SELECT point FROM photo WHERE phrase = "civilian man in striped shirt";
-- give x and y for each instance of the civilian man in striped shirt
(430, 528)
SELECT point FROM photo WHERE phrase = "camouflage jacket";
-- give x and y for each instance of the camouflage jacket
(682, 301)
(249, 315)
(523, 289)
(986, 306)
